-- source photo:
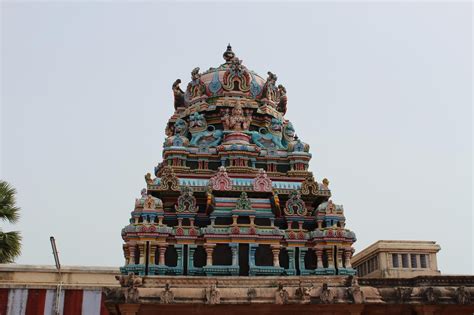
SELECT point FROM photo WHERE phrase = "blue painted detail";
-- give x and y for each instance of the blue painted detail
(168, 270)
(255, 89)
(138, 269)
(215, 84)
(255, 270)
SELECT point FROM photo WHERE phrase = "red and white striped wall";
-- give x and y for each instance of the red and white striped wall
(42, 302)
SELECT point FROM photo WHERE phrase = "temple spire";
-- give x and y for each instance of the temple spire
(228, 54)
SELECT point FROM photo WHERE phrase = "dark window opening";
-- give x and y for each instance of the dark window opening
(137, 255)
(325, 259)
(243, 220)
(222, 255)
(263, 222)
(310, 259)
(405, 260)
(171, 256)
(413, 261)
(243, 259)
(185, 222)
(223, 221)
(199, 257)
(423, 261)
(395, 261)
(264, 256)
(284, 258)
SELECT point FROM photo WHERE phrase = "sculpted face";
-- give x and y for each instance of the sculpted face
(276, 124)
(290, 131)
(179, 127)
(197, 121)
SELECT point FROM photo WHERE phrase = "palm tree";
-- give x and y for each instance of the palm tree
(10, 242)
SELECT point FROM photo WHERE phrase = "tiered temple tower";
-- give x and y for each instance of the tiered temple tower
(233, 195)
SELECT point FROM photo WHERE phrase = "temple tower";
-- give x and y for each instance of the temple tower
(233, 194)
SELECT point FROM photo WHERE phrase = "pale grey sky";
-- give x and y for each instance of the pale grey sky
(381, 92)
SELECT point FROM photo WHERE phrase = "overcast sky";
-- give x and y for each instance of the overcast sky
(380, 91)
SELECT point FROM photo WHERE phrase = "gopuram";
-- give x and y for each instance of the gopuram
(232, 217)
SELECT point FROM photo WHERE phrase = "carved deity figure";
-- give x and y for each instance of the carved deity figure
(463, 296)
(130, 284)
(213, 295)
(236, 120)
(178, 94)
(196, 88)
(271, 92)
(281, 295)
(167, 296)
(281, 107)
(326, 296)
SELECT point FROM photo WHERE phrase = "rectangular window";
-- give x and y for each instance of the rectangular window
(395, 261)
(404, 260)
(423, 261)
(413, 261)
(376, 263)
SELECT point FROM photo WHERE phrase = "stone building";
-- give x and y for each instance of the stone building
(397, 259)
(233, 194)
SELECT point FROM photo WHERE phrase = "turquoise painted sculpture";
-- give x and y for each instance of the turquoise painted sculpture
(202, 134)
(266, 138)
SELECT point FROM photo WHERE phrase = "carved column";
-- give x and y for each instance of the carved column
(152, 253)
(347, 257)
(209, 250)
(276, 253)
(319, 258)
(179, 252)
(330, 255)
(252, 220)
(161, 258)
(131, 250)
(142, 253)
(339, 257)
(320, 224)
(235, 254)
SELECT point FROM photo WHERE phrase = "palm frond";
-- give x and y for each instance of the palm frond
(10, 246)
(8, 210)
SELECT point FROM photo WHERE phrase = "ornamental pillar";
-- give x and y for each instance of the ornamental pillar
(252, 220)
(131, 250)
(161, 257)
(209, 250)
(320, 224)
(235, 254)
(339, 254)
(142, 253)
(152, 253)
(319, 258)
(330, 256)
(234, 219)
(348, 256)
(276, 253)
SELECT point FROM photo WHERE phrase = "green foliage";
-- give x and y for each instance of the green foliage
(10, 242)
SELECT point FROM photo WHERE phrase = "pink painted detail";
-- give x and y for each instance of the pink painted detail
(262, 182)
(192, 232)
(292, 235)
(221, 181)
(252, 230)
(235, 230)
(301, 235)
(179, 232)
(151, 229)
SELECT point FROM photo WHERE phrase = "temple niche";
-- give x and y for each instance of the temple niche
(233, 195)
